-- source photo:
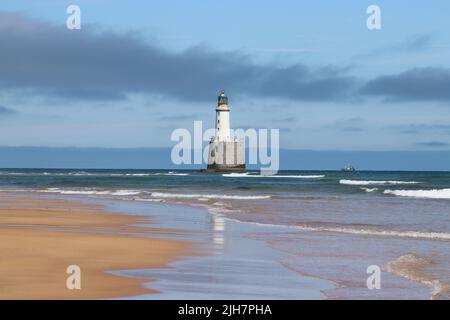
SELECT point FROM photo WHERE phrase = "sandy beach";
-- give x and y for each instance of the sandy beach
(156, 234)
(41, 237)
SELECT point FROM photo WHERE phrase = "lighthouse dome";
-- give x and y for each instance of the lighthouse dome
(222, 99)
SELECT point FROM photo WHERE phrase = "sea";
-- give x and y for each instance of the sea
(332, 225)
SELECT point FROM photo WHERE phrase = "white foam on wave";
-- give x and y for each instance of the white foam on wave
(171, 173)
(388, 233)
(76, 173)
(68, 191)
(427, 194)
(374, 182)
(125, 192)
(345, 230)
(99, 174)
(91, 192)
(12, 174)
(367, 232)
(413, 267)
(16, 190)
(369, 189)
(247, 175)
(206, 196)
(148, 200)
(79, 192)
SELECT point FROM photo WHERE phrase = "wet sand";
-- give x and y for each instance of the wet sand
(122, 256)
(229, 262)
(40, 238)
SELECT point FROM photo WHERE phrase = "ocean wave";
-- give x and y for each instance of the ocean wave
(69, 191)
(369, 189)
(428, 194)
(349, 230)
(76, 173)
(148, 200)
(374, 182)
(125, 193)
(171, 173)
(247, 175)
(92, 192)
(89, 174)
(12, 174)
(206, 196)
(412, 267)
(386, 233)
(154, 195)
(15, 190)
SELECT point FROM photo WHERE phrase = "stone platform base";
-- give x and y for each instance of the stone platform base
(226, 156)
(221, 168)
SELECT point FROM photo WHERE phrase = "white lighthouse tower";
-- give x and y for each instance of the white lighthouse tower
(222, 118)
(225, 152)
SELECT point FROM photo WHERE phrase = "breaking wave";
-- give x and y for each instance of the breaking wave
(146, 193)
(247, 175)
(92, 192)
(90, 174)
(354, 231)
(171, 173)
(388, 233)
(205, 196)
(428, 194)
(369, 189)
(374, 182)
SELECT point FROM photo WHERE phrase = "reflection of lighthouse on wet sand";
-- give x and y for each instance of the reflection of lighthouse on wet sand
(219, 229)
(225, 152)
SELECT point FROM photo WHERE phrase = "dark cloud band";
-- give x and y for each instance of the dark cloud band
(49, 60)
(87, 64)
(420, 84)
(4, 111)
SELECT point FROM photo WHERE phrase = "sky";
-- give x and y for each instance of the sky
(137, 70)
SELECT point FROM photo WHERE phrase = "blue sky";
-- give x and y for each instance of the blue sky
(138, 70)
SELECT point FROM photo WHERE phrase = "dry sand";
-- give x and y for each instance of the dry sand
(40, 238)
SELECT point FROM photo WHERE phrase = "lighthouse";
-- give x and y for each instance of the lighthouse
(222, 118)
(226, 153)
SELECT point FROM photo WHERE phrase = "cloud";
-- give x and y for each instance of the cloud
(419, 84)
(47, 60)
(433, 144)
(286, 50)
(4, 111)
(178, 117)
(353, 129)
(288, 119)
(423, 127)
(415, 43)
(89, 64)
(355, 124)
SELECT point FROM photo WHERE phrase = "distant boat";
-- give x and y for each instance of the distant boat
(348, 168)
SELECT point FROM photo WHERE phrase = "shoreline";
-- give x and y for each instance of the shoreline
(40, 237)
(230, 254)
(235, 264)
(227, 262)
